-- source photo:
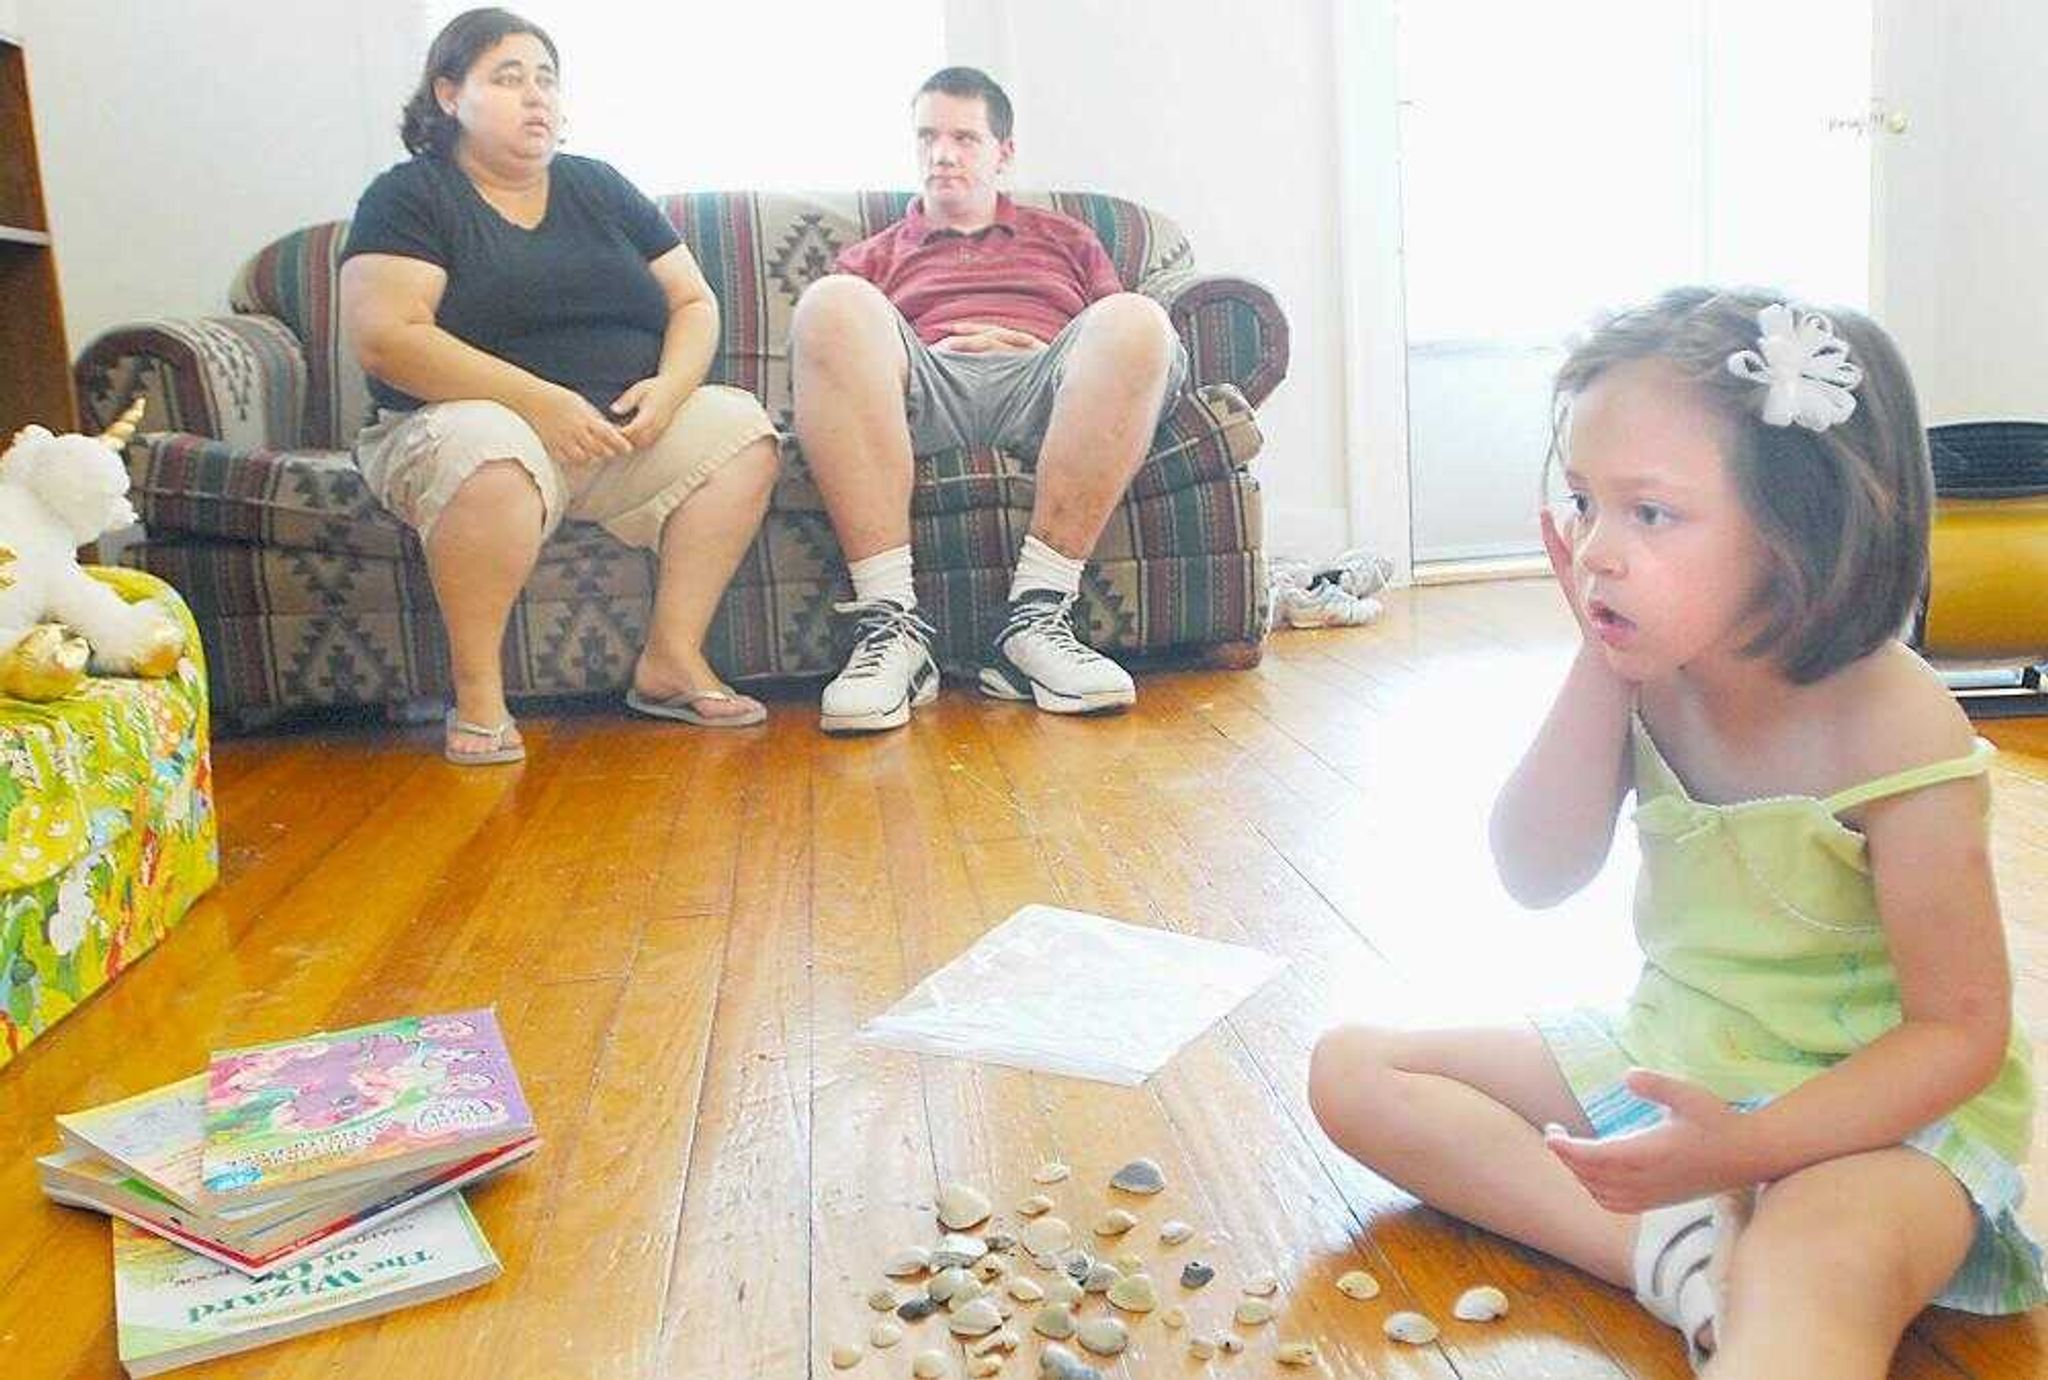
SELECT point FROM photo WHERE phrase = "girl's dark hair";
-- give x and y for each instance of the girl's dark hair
(1843, 513)
(423, 126)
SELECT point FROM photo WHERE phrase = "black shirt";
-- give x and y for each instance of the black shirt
(571, 300)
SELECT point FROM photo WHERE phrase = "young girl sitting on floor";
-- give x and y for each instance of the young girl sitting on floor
(1822, 1033)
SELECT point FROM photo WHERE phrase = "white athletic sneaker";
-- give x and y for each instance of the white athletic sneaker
(1327, 606)
(1037, 657)
(889, 672)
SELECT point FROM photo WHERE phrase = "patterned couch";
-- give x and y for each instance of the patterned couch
(308, 594)
(107, 830)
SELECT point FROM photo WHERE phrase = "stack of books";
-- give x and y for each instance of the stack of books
(297, 1184)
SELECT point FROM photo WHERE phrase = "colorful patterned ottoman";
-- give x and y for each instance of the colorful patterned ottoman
(106, 801)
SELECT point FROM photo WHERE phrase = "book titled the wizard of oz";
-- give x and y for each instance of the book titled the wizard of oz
(174, 1308)
(333, 1109)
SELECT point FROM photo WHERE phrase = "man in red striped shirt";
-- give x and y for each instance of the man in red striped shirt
(975, 321)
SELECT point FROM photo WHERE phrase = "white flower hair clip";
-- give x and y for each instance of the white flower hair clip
(1805, 369)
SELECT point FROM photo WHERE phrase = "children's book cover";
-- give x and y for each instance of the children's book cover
(357, 1104)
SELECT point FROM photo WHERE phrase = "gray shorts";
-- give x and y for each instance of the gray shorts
(953, 399)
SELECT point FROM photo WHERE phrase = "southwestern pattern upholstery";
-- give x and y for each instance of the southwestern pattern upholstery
(307, 593)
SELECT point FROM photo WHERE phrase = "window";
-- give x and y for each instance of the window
(800, 94)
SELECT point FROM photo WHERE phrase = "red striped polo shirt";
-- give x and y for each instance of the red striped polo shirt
(1031, 270)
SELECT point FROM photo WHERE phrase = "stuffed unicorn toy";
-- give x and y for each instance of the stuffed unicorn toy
(57, 493)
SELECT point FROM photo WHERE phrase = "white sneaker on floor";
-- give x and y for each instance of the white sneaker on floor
(1037, 657)
(1327, 606)
(889, 673)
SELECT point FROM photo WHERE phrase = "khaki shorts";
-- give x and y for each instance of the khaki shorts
(415, 461)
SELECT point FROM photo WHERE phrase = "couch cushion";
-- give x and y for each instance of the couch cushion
(293, 279)
(76, 772)
(186, 486)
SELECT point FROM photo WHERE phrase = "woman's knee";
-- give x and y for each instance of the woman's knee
(498, 494)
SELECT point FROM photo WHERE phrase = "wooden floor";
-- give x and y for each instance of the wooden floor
(682, 930)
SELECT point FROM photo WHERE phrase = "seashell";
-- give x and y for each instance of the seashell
(957, 1248)
(1253, 1311)
(1102, 1276)
(929, 1365)
(1037, 1205)
(1175, 1317)
(1002, 1339)
(1058, 1363)
(1000, 1241)
(1055, 1320)
(1230, 1342)
(1201, 1348)
(845, 1356)
(960, 1206)
(985, 1365)
(991, 1267)
(1103, 1336)
(966, 1294)
(908, 1263)
(1134, 1294)
(1481, 1303)
(1023, 1288)
(1139, 1176)
(1411, 1328)
(946, 1283)
(1064, 1290)
(1115, 1222)
(884, 1334)
(1076, 1264)
(1175, 1232)
(1051, 1172)
(1358, 1284)
(1262, 1284)
(977, 1319)
(1296, 1354)
(1195, 1274)
(1047, 1235)
(917, 1307)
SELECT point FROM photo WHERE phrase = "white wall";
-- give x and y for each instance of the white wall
(1222, 116)
(1961, 261)
(177, 139)
(10, 16)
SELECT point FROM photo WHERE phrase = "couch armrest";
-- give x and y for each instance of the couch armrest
(240, 379)
(1234, 328)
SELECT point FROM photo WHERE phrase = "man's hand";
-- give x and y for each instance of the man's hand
(985, 337)
(1699, 1148)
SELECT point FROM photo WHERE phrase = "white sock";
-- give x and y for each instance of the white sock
(1041, 567)
(884, 575)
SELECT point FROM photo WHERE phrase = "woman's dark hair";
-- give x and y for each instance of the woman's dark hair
(423, 126)
(1843, 513)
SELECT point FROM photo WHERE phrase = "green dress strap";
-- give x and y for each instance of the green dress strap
(1912, 779)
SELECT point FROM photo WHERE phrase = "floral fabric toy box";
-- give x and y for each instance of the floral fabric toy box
(107, 829)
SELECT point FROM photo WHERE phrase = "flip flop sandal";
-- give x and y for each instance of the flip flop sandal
(1675, 1269)
(498, 751)
(682, 708)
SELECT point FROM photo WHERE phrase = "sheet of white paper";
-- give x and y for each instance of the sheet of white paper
(1067, 992)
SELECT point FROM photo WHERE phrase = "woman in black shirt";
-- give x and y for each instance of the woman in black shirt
(536, 337)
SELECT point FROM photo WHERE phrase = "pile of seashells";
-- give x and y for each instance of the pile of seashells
(976, 1280)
